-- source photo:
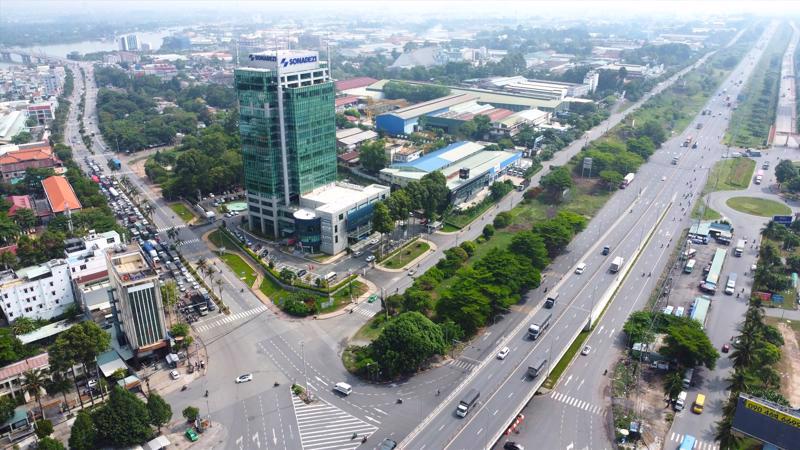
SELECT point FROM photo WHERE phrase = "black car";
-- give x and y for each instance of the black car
(511, 445)
(606, 249)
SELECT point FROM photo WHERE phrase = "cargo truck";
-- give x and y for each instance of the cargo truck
(466, 403)
(739, 248)
(551, 300)
(617, 263)
(537, 329)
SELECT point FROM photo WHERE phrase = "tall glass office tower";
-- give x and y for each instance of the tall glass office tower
(288, 133)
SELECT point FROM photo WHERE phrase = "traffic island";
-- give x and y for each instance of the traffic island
(407, 256)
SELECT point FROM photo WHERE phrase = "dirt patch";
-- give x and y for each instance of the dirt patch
(654, 409)
(789, 366)
(137, 167)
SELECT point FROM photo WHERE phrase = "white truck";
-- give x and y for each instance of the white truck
(535, 330)
(211, 215)
(617, 263)
(739, 248)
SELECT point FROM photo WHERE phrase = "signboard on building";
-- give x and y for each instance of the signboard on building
(783, 220)
(767, 422)
(287, 60)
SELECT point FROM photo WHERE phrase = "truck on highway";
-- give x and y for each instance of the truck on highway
(675, 160)
(536, 368)
(551, 300)
(467, 402)
(627, 180)
(617, 263)
(537, 329)
(739, 248)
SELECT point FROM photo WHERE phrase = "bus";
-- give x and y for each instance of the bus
(687, 443)
(689, 266)
(113, 192)
(759, 176)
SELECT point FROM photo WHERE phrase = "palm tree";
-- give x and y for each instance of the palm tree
(59, 384)
(34, 381)
(743, 351)
(673, 384)
(202, 265)
(219, 286)
(738, 382)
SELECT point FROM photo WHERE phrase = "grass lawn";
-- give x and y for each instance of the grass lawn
(221, 239)
(342, 298)
(372, 329)
(730, 175)
(270, 288)
(181, 210)
(405, 255)
(573, 349)
(459, 221)
(447, 228)
(708, 213)
(758, 206)
(240, 267)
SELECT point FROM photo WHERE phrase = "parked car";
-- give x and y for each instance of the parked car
(174, 374)
(726, 348)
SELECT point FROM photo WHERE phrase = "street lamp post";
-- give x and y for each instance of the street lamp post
(303, 355)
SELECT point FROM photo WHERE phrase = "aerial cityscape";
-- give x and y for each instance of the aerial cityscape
(325, 225)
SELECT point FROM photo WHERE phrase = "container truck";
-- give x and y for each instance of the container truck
(627, 180)
(617, 263)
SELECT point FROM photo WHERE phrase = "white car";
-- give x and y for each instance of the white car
(663, 178)
(174, 374)
(503, 353)
(370, 258)
(244, 378)
(586, 350)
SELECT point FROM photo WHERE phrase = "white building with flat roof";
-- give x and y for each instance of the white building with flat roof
(36, 292)
(341, 211)
(86, 256)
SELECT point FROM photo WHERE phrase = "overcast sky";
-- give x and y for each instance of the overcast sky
(122, 9)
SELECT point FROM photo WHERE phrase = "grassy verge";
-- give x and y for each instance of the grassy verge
(563, 363)
(447, 228)
(460, 220)
(343, 296)
(758, 206)
(703, 212)
(730, 175)
(371, 330)
(405, 255)
(240, 267)
(181, 210)
(221, 240)
(757, 102)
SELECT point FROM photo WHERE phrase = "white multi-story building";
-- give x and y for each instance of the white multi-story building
(37, 292)
(86, 256)
(137, 300)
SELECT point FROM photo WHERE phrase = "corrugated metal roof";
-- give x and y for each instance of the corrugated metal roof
(443, 157)
(421, 109)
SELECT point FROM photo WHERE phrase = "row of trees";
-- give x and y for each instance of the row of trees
(429, 195)
(772, 273)
(755, 352)
(414, 93)
(427, 321)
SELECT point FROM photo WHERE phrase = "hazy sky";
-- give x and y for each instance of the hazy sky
(122, 9)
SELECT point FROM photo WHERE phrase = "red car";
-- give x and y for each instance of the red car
(726, 348)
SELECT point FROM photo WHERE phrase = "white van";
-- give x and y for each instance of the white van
(668, 310)
(680, 403)
(679, 311)
(730, 286)
(344, 388)
(580, 268)
(331, 277)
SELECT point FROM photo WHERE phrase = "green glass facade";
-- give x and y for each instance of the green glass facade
(310, 133)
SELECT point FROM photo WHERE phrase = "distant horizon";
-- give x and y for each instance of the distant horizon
(131, 11)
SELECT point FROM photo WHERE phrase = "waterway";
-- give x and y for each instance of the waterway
(154, 38)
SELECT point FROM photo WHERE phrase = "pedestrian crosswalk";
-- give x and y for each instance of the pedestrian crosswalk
(324, 426)
(228, 319)
(188, 241)
(177, 227)
(367, 309)
(572, 401)
(698, 444)
(461, 364)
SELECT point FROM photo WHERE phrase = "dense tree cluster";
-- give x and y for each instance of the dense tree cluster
(772, 273)
(429, 195)
(209, 162)
(755, 353)
(414, 93)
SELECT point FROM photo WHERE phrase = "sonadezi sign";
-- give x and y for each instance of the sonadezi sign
(287, 61)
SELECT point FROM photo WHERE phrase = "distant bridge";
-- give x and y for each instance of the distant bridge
(7, 55)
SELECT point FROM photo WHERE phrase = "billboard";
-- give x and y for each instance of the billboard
(767, 422)
(286, 60)
(783, 220)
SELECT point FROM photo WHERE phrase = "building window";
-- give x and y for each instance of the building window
(51, 284)
(54, 293)
(83, 267)
(336, 228)
(336, 239)
(58, 301)
(341, 216)
(28, 309)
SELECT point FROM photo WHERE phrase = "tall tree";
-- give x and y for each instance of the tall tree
(372, 156)
(25, 218)
(34, 381)
(160, 411)
(555, 182)
(123, 421)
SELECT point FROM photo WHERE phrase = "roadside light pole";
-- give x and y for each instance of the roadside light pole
(303, 355)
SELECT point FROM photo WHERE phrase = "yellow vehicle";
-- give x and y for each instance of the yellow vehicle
(697, 408)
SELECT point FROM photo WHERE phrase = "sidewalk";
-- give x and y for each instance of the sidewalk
(781, 313)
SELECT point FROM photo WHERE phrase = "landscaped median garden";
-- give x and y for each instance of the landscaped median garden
(479, 281)
(291, 294)
(405, 254)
